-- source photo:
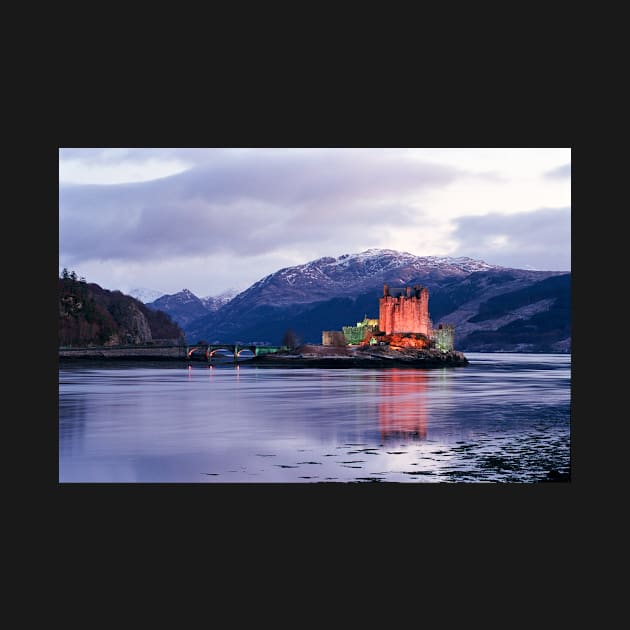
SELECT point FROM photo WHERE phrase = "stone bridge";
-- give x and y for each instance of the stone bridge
(209, 351)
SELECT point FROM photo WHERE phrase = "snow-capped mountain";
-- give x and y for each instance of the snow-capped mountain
(184, 307)
(381, 259)
(351, 274)
(145, 295)
(215, 302)
(327, 293)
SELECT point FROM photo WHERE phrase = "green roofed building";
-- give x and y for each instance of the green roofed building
(356, 334)
(444, 336)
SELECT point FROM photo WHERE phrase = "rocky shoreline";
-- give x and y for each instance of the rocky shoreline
(361, 357)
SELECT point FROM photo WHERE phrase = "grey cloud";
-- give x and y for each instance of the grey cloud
(540, 239)
(560, 172)
(285, 177)
(108, 156)
(246, 202)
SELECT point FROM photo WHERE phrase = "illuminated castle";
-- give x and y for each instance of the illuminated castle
(404, 310)
(403, 322)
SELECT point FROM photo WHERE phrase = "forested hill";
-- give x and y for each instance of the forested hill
(91, 315)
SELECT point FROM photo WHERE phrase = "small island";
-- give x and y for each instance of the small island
(365, 356)
(402, 336)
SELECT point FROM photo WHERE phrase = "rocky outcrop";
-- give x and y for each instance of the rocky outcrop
(138, 329)
(366, 356)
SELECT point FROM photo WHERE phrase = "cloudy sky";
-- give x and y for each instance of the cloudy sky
(214, 219)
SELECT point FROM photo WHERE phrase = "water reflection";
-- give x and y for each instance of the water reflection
(402, 407)
(500, 420)
(72, 423)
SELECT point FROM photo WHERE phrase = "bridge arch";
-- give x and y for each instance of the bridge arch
(233, 350)
(211, 353)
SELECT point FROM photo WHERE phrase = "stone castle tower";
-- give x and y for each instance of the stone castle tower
(404, 310)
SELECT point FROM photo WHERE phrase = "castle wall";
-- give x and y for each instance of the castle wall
(406, 313)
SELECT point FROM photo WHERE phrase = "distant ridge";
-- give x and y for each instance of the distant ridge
(184, 306)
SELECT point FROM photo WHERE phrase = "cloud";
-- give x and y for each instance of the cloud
(246, 203)
(561, 172)
(540, 239)
(210, 218)
(104, 155)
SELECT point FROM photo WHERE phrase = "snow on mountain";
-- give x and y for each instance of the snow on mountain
(385, 259)
(145, 295)
(185, 297)
(215, 302)
(352, 273)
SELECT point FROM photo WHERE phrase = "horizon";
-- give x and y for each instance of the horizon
(215, 220)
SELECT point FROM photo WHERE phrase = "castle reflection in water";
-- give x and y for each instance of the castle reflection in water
(402, 411)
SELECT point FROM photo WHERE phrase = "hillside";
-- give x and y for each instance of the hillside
(91, 315)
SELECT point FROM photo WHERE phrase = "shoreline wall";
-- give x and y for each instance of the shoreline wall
(151, 352)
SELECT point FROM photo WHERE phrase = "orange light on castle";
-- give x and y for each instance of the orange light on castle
(404, 310)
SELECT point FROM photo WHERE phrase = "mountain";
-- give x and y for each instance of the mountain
(351, 275)
(91, 315)
(493, 308)
(182, 307)
(145, 295)
(214, 303)
(511, 311)
(185, 307)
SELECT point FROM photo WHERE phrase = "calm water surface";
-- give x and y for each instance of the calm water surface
(505, 417)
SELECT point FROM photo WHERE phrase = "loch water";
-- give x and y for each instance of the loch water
(503, 418)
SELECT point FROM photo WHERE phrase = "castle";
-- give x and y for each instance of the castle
(404, 310)
(403, 321)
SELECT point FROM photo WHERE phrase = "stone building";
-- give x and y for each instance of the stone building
(404, 310)
(333, 338)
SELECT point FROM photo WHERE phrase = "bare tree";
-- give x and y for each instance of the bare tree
(290, 339)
